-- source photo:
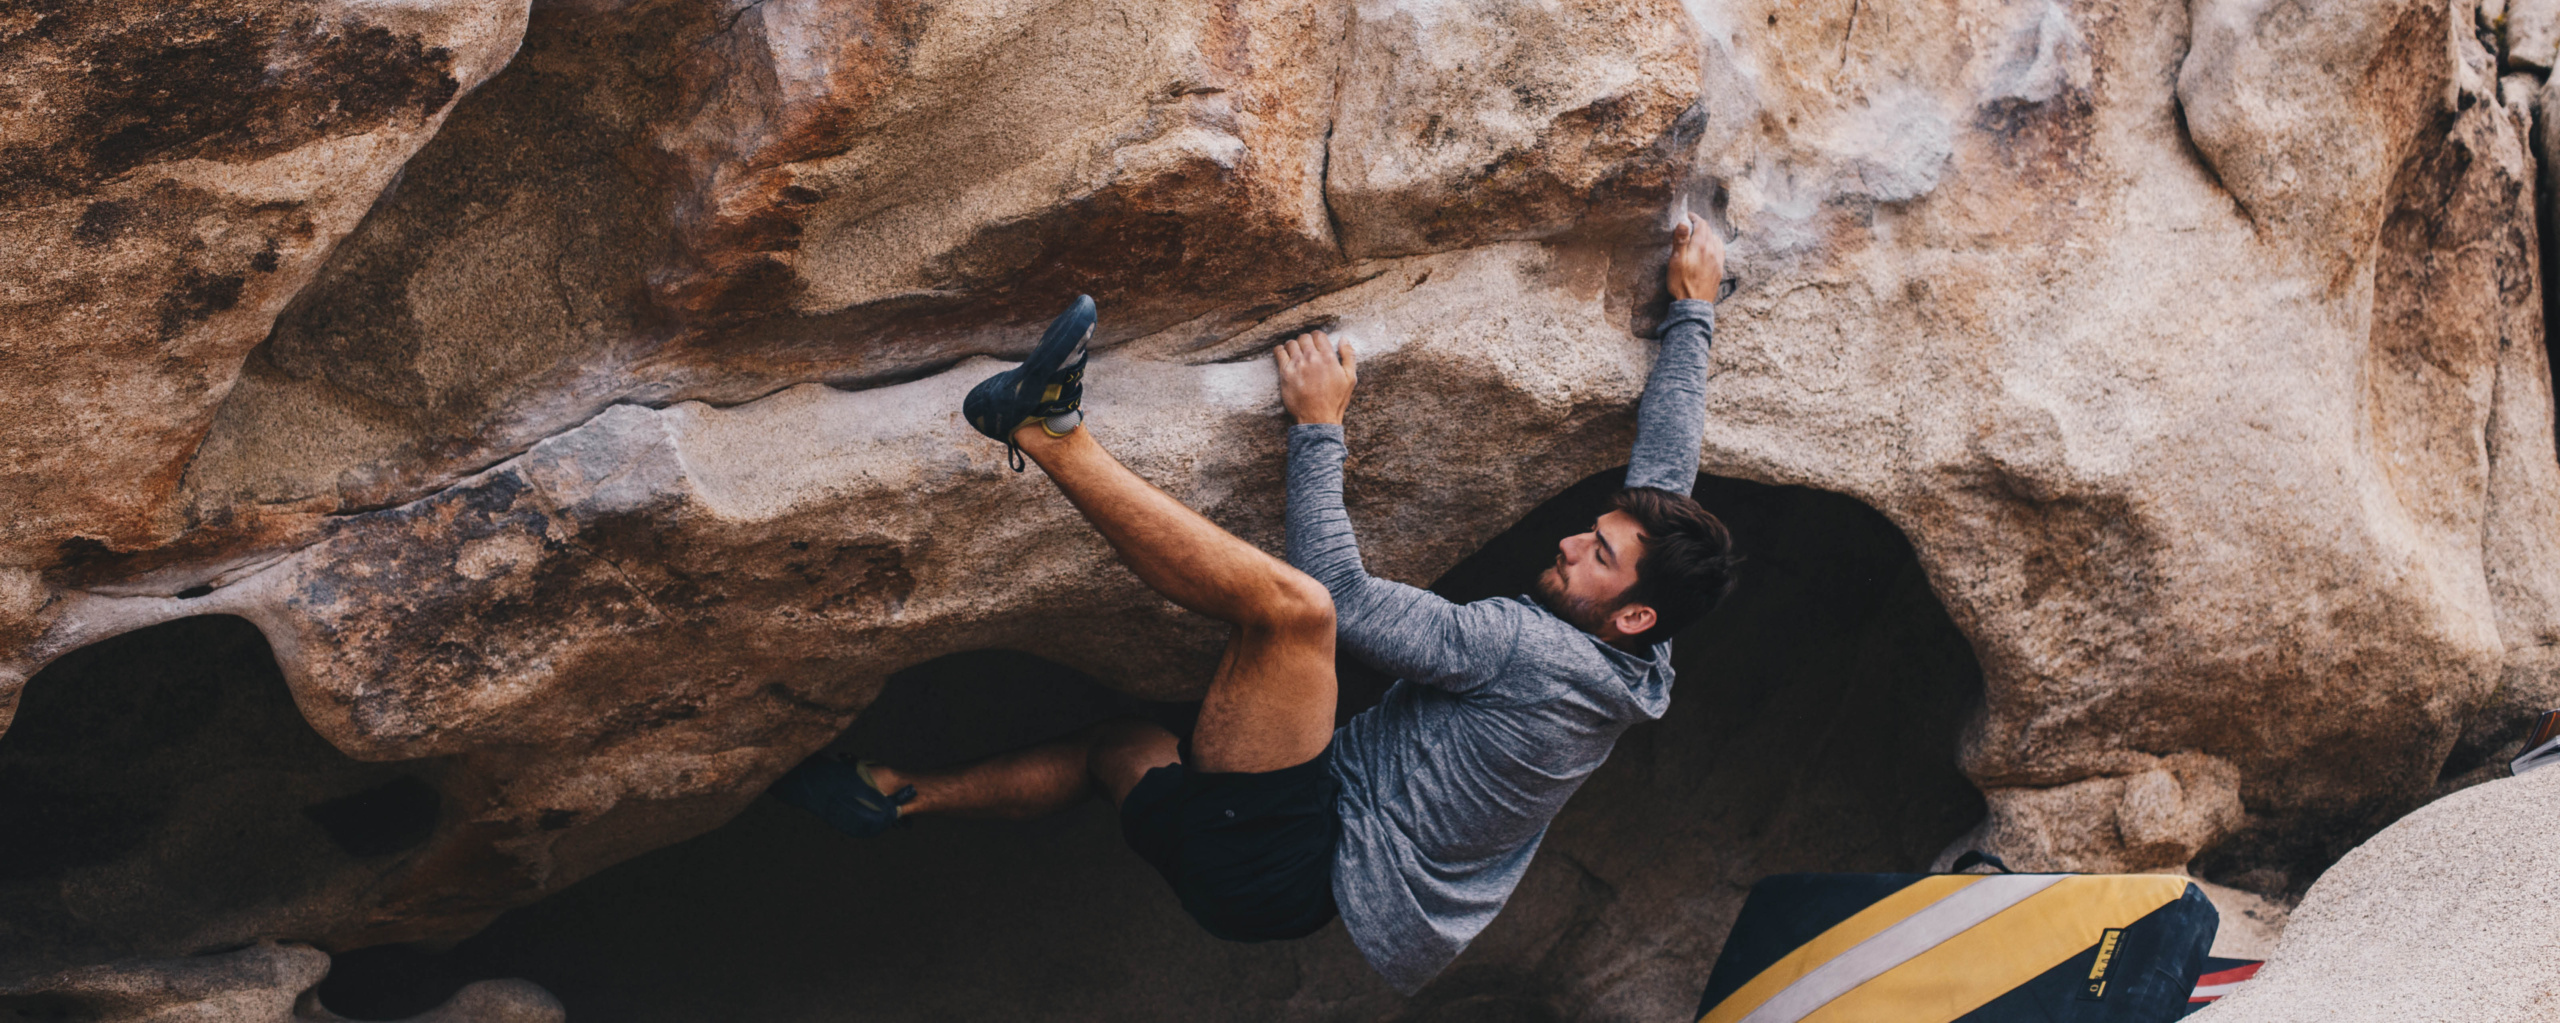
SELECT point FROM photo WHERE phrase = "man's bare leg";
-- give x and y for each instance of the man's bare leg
(1271, 703)
(1269, 706)
(1109, 757)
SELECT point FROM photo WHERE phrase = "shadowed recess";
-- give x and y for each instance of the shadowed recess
(1813, 728)
(160, 793)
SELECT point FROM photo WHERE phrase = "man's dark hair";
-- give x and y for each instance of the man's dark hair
(1688, 561)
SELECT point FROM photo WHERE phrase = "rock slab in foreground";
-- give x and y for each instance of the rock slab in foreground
(2452, 914)
(266, 983)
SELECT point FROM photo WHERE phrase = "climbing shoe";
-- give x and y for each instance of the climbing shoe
(1048, 386)
(843, 795)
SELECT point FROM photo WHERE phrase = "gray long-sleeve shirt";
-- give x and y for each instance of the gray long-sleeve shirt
(1500, 709)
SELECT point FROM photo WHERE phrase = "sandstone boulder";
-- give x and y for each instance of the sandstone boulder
(682, 608)
(2083, 250)
(609, 462)
(599, 232)
(2445, 915)
(687, 199)
(175, 173)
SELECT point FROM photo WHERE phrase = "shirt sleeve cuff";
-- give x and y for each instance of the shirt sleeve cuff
(1316, 431)
(1698, 309)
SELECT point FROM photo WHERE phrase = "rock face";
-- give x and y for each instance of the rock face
(175, 174)
(579, 424)
(2083, 280)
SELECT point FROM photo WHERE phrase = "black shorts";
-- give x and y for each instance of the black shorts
(1249, 855)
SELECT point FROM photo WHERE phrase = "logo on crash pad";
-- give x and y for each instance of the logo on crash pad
(2096, 989)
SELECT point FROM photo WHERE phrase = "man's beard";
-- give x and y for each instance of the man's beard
(1580, 612)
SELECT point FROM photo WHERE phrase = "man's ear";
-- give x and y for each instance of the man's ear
(1633, 619)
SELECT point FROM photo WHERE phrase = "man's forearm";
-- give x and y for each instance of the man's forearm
(1671, 421)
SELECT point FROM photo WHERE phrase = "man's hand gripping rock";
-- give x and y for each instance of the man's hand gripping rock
(1316, 376)
(1697, 260)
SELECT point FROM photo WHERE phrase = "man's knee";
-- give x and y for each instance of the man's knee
(1124, 750)
(1298, 604)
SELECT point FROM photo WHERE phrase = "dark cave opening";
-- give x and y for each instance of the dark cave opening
(1814, 727)
(161, 794)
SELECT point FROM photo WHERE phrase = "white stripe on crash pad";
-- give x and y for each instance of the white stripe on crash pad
(1895, 945)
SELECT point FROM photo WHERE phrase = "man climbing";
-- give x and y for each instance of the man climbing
(1416, 820)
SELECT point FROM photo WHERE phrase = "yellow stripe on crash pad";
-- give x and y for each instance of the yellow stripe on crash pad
(1842, 936)
(1998, 955)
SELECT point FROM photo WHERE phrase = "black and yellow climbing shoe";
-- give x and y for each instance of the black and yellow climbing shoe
(1047, 387)
(843, 795)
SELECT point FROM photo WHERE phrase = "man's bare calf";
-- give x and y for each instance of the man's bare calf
(1108, 758)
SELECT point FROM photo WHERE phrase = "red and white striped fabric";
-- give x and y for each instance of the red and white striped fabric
(2221, 977)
